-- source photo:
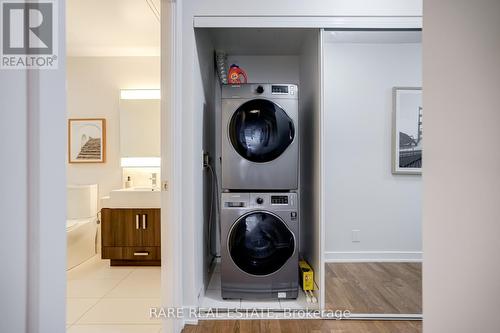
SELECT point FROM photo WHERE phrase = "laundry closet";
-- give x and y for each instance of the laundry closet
(216, 132)
(261, 155)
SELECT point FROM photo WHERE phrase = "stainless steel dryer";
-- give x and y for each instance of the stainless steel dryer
(260, 245)
(260, 149)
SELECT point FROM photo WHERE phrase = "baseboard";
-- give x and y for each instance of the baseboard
(374, 256)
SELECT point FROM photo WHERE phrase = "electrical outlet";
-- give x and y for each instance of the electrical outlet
(355, 236)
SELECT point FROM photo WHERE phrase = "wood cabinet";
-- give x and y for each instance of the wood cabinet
(131, 236)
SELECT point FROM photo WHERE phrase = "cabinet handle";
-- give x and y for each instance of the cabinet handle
(144, 221)
(137, 221)
(141, 253)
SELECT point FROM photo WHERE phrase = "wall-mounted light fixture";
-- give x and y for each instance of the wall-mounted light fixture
(140, 94)
(140, 162)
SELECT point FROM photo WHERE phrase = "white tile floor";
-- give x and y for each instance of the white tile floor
(213, 299)
(105, 299)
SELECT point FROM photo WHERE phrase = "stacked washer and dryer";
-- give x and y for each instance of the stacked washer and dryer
(259, 204)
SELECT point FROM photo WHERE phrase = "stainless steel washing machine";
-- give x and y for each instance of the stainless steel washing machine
(260, 245)
(260, 146)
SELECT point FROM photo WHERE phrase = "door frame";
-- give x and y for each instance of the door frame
(171, 157)
(34, 240)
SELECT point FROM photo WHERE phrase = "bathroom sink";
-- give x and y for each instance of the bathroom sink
(134, 197)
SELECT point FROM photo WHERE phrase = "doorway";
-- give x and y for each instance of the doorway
(113, 175)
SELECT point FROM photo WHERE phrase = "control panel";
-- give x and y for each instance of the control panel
(273, 201)
(235, 204)
(266, 90)
(279, 200)
(279, 90)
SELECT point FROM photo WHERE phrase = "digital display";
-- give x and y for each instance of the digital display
(235, 204)
(279, 200)
(279, 89)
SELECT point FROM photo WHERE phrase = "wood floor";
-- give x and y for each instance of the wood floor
(394, 288)
(303, 326)
(391, 288)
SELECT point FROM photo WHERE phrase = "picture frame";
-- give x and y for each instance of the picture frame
(87, 140)
(407, 129)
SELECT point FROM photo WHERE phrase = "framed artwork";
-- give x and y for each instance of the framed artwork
(87, 140)
(407, 130)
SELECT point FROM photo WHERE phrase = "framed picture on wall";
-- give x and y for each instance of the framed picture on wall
(87, 140)
(407, 130)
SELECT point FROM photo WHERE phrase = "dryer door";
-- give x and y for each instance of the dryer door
(260, 243)
(260, 130)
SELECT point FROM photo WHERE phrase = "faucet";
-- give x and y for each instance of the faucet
(153, 180)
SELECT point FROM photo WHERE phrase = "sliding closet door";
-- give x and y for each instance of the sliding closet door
(373, 134)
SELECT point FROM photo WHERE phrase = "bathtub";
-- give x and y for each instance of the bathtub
(81, 223)
(81, 240)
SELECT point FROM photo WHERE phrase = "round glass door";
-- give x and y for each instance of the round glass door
(260, 243)
(260, 130)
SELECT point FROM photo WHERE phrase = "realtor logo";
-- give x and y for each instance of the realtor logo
(29, 34)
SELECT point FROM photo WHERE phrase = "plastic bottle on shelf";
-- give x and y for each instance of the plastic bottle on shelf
(236, 75)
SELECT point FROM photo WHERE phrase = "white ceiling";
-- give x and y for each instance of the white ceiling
(249, 41)
(113, 28)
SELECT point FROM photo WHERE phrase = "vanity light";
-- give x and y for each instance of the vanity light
(140, 162)
(140, 94)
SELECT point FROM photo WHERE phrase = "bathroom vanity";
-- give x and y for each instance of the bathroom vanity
(131, 236)
(130, 217)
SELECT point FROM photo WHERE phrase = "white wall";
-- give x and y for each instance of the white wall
(32, 241)
(268, 69)
(310, 155)
(14, 204)
(361, 193)
(462, 166)
(94, 85)
(206, 87)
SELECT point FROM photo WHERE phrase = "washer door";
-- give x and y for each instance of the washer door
(260, 243)
(260, 130)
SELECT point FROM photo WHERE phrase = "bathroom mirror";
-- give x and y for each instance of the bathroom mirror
(139, 123)
(373, 228)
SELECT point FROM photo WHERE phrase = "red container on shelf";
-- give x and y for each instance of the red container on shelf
(236, 75)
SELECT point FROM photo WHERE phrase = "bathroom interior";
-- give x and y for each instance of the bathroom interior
(363, 243)
(113, 169)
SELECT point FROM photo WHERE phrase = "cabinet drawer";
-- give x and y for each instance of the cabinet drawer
(131, 253)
